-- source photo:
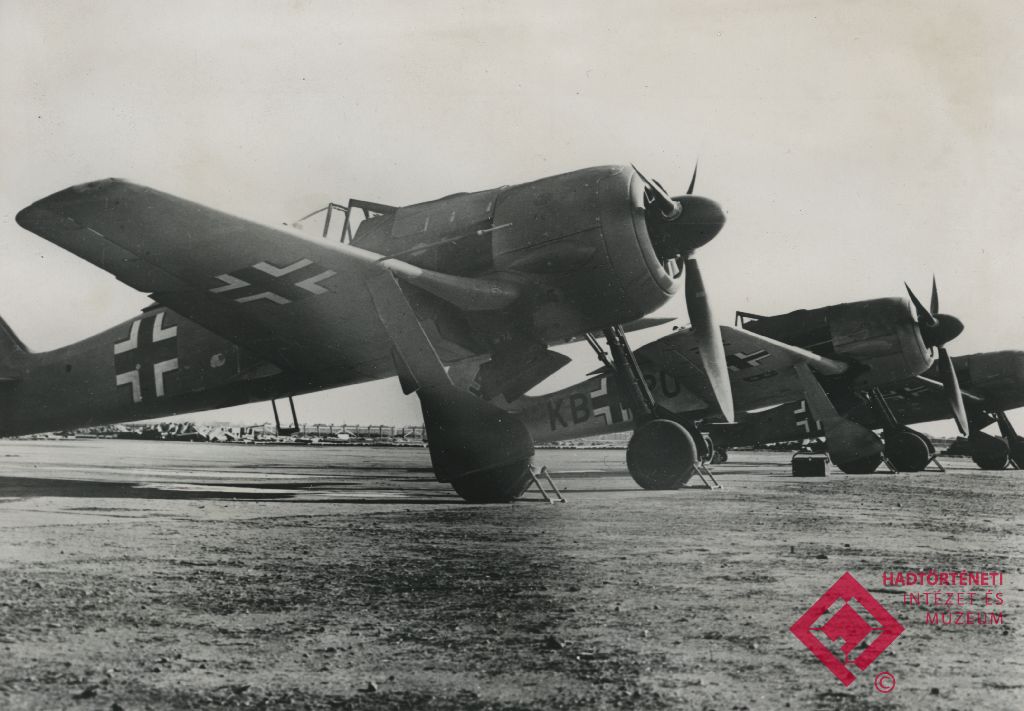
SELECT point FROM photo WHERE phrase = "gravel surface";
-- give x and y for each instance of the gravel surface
(168, 575)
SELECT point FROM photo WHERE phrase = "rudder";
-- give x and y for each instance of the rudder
(13, 354)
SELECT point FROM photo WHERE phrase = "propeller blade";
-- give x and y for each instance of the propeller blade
(678, 262)
(709, 339)
(924, 316)
(935, 296)
(950, 383)
(653, 185)
(668, 207)
(693, 180)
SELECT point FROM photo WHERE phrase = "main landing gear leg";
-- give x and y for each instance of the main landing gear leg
(853, 447)
(661, 453)
(1013, 440)
(277, 419)
(481, 450)
(905, 449)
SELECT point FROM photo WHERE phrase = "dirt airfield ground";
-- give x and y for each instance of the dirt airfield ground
(168, 575)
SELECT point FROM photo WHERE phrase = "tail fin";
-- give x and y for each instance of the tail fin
(13, 354)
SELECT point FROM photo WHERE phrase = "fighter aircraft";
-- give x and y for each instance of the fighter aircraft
(825, 362)
(911, 449)
(245, 312)
(993, 383)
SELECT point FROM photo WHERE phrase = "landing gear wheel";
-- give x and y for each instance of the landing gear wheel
(661, 455)
(991, 461)
(1017, 451)
(498, 485)
(705, 447)
(864, 465)
(988, 452)
(721, 456)
(908, 451)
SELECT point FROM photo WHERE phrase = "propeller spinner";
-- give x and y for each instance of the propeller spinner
(678, 227)
(938, 329)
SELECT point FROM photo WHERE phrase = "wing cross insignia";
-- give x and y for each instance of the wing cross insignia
(265, 282)
(742, 361)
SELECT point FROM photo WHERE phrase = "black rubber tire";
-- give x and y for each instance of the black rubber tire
(991, 461)
(498, 485)
(1017, 452)
(661, 455)
(720, 456)
(865, 465)
(988, 452)
(705, 447)
(908, 451)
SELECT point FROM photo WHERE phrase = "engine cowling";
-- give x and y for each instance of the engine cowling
(996, 376)
(583, 240)
(579, 243)
(880, 335)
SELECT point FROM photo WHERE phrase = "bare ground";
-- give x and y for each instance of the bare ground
(152, 575)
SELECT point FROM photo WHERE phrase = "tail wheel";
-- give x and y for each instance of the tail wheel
(864, 465)
(498, 485)
(661, 455)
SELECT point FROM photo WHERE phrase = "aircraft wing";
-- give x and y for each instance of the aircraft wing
(300, 304)
(760, 369)
(922, 399)
(936, 386)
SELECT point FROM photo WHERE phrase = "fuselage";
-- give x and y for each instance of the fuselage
(879, 338)
(154, 365)
(994, 382)
(576, 244)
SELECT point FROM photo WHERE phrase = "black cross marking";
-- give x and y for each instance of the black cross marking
(147, 360)
(909, 392)
(605, 401)
(265, 282)
(804, 419)
(742, 361)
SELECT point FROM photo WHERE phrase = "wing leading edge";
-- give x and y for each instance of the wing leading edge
(300, 304)
(761, 369)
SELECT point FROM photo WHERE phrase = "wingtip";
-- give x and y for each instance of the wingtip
(27, 216)
(93, 185)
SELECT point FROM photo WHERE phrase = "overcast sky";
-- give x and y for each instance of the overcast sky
(853, 145)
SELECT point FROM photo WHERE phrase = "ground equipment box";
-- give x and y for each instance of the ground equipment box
(811, 464)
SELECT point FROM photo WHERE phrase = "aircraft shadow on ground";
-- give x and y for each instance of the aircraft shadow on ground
(34, 487)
